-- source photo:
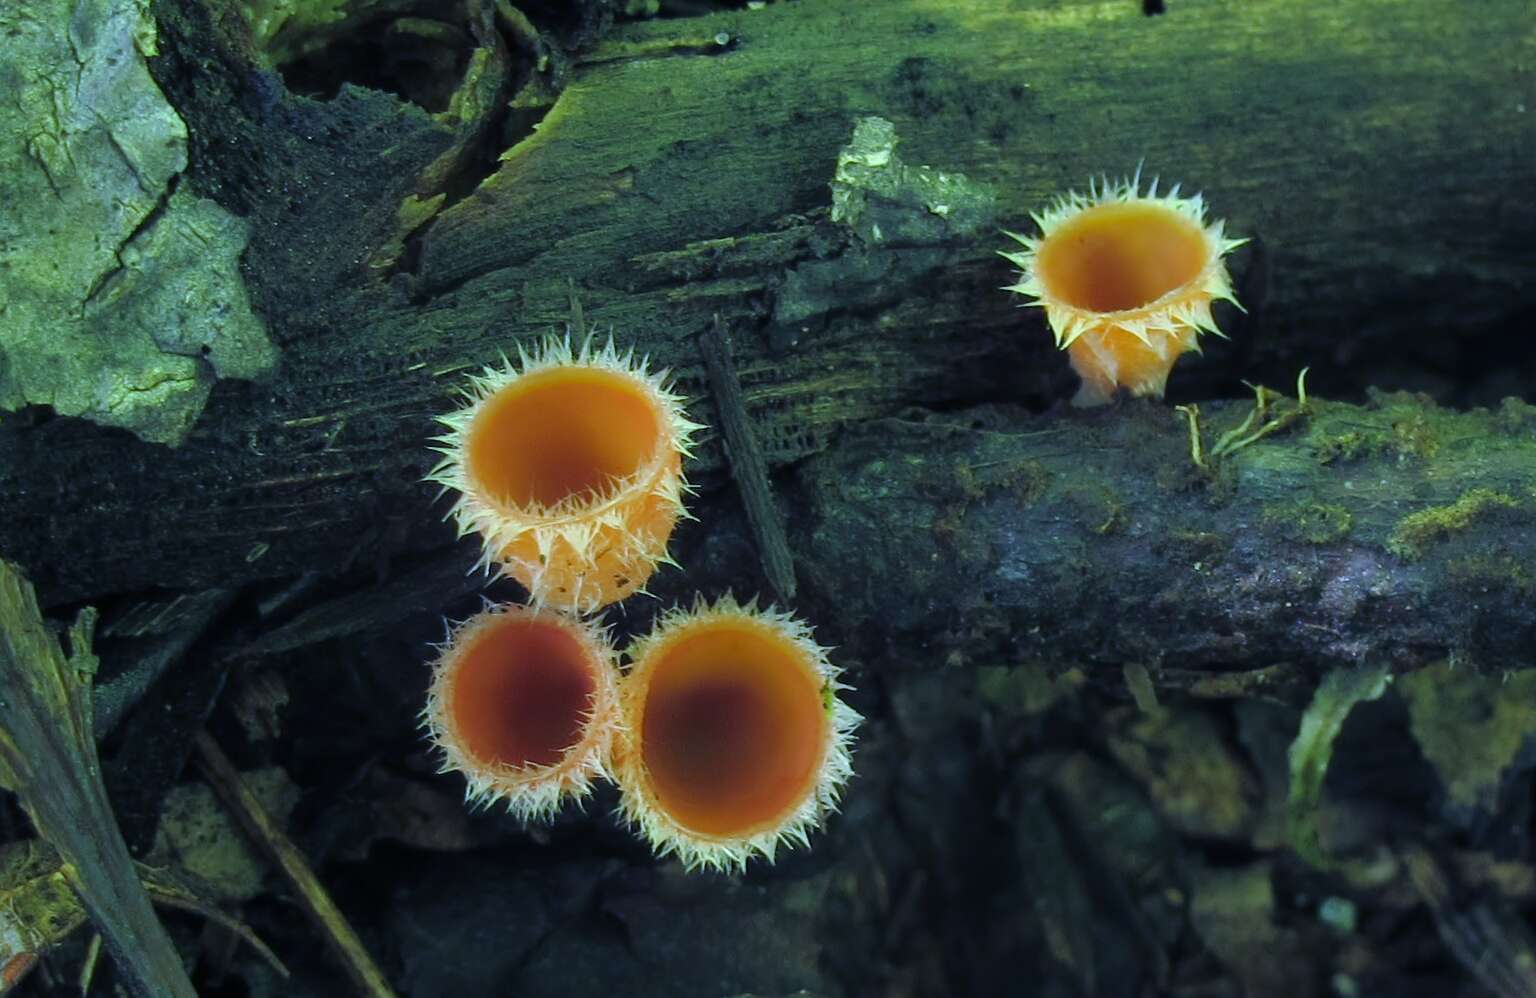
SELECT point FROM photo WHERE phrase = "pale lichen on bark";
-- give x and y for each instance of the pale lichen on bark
(120, 295)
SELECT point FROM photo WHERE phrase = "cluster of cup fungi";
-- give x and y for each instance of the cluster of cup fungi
(724, 731)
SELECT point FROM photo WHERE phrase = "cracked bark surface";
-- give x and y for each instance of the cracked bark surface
(1380, 192)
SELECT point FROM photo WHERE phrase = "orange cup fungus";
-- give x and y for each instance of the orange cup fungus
(1126, 280)
(525, 703)
(734, 739)
(569, 467)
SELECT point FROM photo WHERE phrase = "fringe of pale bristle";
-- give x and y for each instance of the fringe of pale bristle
(1103, 190)
(1069, 322)
(579, 536)
(666, 837)
(501, 525)
(576, 520)
(530, 793)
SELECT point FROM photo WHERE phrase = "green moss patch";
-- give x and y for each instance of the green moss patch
(1416, 531)
(1311, 522)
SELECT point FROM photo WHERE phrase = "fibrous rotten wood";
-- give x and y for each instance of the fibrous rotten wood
(1376, 152)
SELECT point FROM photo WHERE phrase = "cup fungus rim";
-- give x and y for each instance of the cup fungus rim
(529, 791)
(616, 490)
(579, 517)
(639, 802)
(1186, 304)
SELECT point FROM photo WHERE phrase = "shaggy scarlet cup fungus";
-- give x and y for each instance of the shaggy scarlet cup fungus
(734, 739)
(524, 702)
(569, 467)
(1126, 280)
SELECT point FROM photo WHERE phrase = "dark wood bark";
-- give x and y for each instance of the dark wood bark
(1378, 153)
(1392, 533)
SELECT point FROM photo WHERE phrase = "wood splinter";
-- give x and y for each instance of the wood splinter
(748, 466)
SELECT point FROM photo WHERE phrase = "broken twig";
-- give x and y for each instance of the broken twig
(748, 466)
(316, 901)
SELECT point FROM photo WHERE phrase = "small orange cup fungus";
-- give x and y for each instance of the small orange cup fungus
(525, 703)
(734, 739)
(569, 467)
(1126, 280)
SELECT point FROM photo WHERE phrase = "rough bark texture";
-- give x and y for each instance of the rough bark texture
(956, 530)
(1394, 532)
(1377, 153)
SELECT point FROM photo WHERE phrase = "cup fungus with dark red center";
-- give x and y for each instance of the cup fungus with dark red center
(524, 702)
(1126, 280)
(569, 467)
(734, 739)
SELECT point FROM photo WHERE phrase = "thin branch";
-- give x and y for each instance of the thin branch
(338, 933)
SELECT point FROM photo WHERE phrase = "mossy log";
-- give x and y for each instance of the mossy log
(1378, 154)
(1394, 533)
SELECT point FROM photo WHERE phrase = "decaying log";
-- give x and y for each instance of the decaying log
(1304, 537)
(1390, 534)
(1379, 154)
